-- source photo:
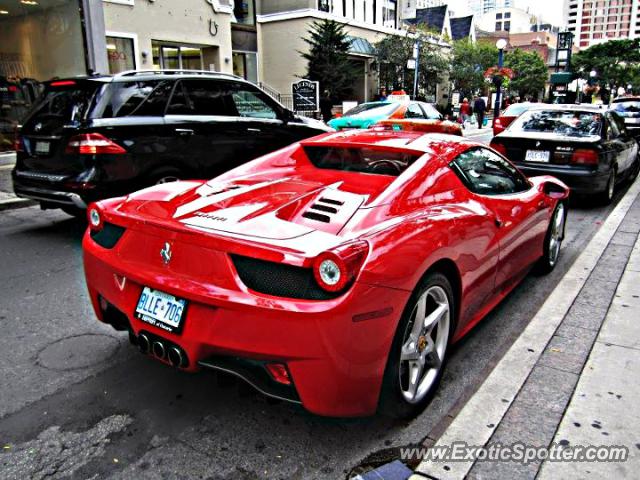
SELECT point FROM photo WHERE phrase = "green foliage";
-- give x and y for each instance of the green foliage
(393, 53)
(468, 64)
(617, 62)
(328, 59)
(529, 72)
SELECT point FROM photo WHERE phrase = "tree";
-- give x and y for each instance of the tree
(328, 59)
(468, 64)
(393, 53)
(616, 62)
(530, 73)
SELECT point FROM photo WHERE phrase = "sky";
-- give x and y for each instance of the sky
(549, 10)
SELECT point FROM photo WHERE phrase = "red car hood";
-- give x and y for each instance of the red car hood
(279, 209)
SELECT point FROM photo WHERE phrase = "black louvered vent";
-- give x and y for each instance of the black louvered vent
(279, 280)
(322, 205)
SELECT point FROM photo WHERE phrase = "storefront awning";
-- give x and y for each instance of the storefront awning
(361, 46)
(561, 78)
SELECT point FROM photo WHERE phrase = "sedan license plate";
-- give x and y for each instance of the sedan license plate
(161, 309)
(537, 156)
(42, 148)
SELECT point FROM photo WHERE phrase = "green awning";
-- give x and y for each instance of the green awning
(361, 46)
(561, 78)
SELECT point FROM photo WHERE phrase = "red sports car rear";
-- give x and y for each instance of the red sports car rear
(333, 273)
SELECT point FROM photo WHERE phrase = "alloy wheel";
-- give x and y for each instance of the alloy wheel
(167, 179)
(424, 344)
(555, 237)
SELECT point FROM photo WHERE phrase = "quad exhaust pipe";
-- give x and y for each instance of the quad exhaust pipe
(174, 355)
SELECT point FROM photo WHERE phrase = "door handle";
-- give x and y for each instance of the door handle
(499, 223)
(255, 130)
(184, 131)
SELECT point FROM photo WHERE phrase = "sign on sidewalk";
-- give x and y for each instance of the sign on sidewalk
(306, 96)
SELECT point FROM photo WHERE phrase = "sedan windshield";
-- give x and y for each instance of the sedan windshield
(561, 122)
(360, 159)
(367, 110)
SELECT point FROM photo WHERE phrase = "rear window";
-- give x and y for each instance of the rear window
(360, 159)
(372, 109)
(629, 108)
(515, 110)
(62, 105)
(561, 122)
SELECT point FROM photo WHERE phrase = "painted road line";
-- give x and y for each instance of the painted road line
(481, 415)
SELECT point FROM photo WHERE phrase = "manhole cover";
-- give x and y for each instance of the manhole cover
(76, 352)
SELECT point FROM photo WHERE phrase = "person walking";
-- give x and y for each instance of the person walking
(465, 111)
(479, 107)
(326, 105)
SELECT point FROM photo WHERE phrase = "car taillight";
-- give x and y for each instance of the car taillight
(583, 156)
(499, 147)
(95, 218)
(18, 143)
(335, 269)
(93, 144)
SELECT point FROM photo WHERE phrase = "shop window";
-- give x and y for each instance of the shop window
(244, 11)
(121, 53)
(245, 65)
(176, 57)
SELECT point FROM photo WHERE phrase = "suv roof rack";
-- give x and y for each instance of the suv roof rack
(131, 73)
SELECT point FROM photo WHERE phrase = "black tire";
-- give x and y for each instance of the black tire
(550, 255)
(392, 400)
(606, 197)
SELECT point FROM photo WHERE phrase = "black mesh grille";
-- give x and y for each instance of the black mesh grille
(108, 236)
(279, 279)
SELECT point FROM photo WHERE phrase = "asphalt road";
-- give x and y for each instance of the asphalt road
(76, 400)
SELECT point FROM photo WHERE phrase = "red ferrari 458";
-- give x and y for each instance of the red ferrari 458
(334, 273)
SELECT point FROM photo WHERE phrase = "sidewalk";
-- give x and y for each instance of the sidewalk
(8, 200)
(571, 377)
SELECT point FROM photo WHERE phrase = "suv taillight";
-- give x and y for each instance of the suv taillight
(584, 156)
(93, 144)
(499, 147)
(18, 143)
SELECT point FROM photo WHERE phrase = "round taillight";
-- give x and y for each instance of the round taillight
(95, 219)
(330, 272)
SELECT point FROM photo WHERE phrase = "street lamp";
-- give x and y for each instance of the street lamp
(500, 44)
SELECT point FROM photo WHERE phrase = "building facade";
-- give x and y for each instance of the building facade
(478, 7)
(596, 21)
(506, 20)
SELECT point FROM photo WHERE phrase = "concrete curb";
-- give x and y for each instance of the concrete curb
(480, 417)
(14, 203)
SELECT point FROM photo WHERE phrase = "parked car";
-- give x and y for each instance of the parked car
(16, 98)
(334, 273)
(367, 114)
(97, 137)
(509, 115)
(419, 125)
(629, 109)
(586, 147)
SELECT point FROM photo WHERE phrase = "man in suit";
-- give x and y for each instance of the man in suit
(479, 107)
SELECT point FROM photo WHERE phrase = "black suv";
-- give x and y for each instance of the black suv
(97, 137)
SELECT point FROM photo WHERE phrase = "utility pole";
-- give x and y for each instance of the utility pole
(416, 55)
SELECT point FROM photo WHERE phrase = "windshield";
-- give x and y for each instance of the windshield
(630, 108)
(360, 159)
(562, 122)
(367, 110)
(515, 110)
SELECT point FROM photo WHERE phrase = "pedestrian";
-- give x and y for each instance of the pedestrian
(382, 96)
(479, 107)
(465, 111)
(326, 106)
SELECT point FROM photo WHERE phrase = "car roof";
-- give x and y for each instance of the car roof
(410, 141)
(579, 107)
(135, 75)
(626, 99)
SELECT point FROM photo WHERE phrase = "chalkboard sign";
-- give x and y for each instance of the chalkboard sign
(306, 96)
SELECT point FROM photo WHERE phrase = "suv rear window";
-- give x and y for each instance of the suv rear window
(360, 159)
(60, 105)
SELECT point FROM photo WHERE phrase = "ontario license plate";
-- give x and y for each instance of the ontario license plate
(537, 156)
(42, 148)
(161, 309)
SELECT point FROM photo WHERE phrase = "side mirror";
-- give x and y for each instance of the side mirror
(288, 116)
(553, 190)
